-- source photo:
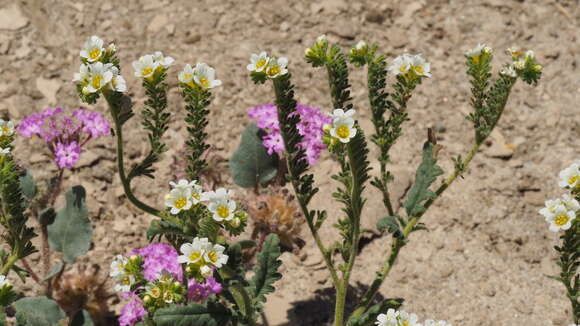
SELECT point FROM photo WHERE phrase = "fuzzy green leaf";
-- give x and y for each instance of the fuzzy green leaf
(40, 311)
(71, 231)
(251, 164)
(370, 316)
(194, 314)
(56, 269)
(266, 269)
(390, 224)
(27, 185)
(427, 173)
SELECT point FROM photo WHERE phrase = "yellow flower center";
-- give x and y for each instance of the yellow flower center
(146, 71)
(155, 292)
(223, 211)
(274, 70)
(194, 256)
(475, 59)
(187, 77)
(168, 297)
(180, 202)
(97, 81)
(196, 196)
(403, 68)
(260, 63)
(419, 70)
(343, 131)
(5, 130)
(405, 323)
(213, 256)
(561, 220)
(573, 180)
(126, 281)
(94, 53)
(204, 82)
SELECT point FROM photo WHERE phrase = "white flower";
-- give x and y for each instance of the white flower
(342, 125)
(421, 67)
(124, 282)
(561, 219)
(206, 271)
(430, 322)
(520, 64)
(193, 252)
(220, 205)
(406, 319)
(401, 64)
(570, 176)
(204, 76)
(258, 62)
(390, 319)
(82, 75)
(478, 50)
(321, 39)
(145, 67)
(118, 265)
(529, 55)
(567, 201)
(153, 291)
(178, 199)
(99, 76)
(162, 60)
(4, 281)
(118, 83)
(509, 71)
(93, 49)
(214, 255)
(277, 67)
(6, 128)
(186, 75)
(4, 151)
(361, 45)
(197, 194)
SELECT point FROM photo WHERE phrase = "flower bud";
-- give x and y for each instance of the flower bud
(147, 299)
(308, 52)
(235, 223)
(537, 68)
(322, 39)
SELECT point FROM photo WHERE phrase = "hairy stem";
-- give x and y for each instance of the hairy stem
(12, 259)
(398, 243)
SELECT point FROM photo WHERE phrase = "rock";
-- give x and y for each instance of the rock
(88, 158)
(375, 17)
(284, 27)
(48, 88)
(194, 38)
(11, 18)
(157, 23)
(397, 37)
(344, 29)
(497, 150)
(334, 6)
(170, 29)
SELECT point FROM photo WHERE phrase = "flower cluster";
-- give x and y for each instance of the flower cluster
(262, 66)
(6, 130)
(185, 194)
(310, 128)
(478, 54)
(65, 134)
(202, 76)
(402, 318)
(151, 64)
(411, 67)
(99, 70)
(561, 213)
(202, 257)
(524, 65)
(152, 278)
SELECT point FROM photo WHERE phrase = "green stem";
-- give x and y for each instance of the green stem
(398, 243)
(12, 259)
(385, 190)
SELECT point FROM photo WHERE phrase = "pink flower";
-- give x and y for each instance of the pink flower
(198, 292)
(132, 312)
(158, 257)
(67, 155)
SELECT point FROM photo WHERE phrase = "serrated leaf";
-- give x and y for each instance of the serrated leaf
(194, 314)
(266, 271)
(27, 185)
(427, 173)
(82, 318)
(40, 311)
(390, 224)
(369, 317)
(56, 269)
(251, 164)
(242, 299)
(159, 228)
(71, 231)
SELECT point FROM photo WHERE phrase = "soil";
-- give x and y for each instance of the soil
(488, 253)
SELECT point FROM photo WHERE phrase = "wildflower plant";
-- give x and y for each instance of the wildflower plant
(347, 142)
(561, 214)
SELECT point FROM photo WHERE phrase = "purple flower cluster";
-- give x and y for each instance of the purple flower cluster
(198, 292)
(65, 134)
(310, 127)
(133, 311)
(158, 257)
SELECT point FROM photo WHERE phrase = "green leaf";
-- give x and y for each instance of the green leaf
(27, 185)
(39, 311)
(159, 228)
(251, 164)
(242, 299)
(427, 173)
(56, 269)
(71, 231)
(390, 224)
(370, 316)
(266, 271)
(82, 318)
(194, 314)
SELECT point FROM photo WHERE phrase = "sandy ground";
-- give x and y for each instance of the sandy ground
(486, 258)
